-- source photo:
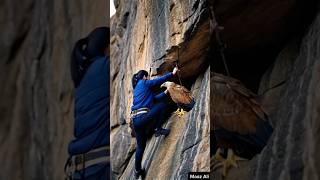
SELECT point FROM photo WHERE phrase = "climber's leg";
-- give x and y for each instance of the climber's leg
(140, 124)
(152, 120)
(157, 112)
(92, 174)
(141, 145)
(157, 116)
(100, 175)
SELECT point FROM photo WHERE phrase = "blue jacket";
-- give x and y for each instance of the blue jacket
(143, 96)
(92, 118)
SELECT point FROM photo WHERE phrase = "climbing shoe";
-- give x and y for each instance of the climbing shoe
(161, 131)
(139, 173)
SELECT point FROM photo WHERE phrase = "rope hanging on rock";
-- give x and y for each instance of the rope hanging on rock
(177, 62)
(222, 46)
(184, 100)
(150, 71)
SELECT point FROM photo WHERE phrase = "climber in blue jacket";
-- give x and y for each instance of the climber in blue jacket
(148, 110)
(89, 150)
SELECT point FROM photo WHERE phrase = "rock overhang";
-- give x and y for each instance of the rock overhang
(255, 32)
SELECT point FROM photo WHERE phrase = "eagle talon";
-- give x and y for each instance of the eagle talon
(180, 112)
(177, 112)
(179, 95)
(217, 156)
(226, 164)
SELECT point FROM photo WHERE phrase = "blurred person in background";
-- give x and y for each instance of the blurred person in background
(89, 152)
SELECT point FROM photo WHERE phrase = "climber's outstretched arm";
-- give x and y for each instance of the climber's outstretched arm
(160, 95)
(158, 81)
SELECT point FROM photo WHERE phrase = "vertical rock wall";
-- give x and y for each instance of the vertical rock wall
(295, 111)
(144, 34)
(187, 147)
(36, 92)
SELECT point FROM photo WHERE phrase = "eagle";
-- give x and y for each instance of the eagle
(240, 124)
(180, 95)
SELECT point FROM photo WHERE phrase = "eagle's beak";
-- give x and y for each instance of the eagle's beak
(162, 85)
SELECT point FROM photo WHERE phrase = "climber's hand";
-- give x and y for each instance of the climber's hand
(175, 70)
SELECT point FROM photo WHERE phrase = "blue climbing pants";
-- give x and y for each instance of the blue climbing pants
(151, 120)
(97, 172)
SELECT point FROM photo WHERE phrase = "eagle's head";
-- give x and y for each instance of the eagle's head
(167, 84)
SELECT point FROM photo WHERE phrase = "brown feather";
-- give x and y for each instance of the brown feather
(234, 107)
(180, 94)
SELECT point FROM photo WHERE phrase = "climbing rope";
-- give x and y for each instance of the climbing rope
(150, 71)
(221, 44)
(177, 61)
(222, 47)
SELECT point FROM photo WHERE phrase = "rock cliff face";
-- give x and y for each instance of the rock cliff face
(295, 110)
(146, 35)
(289, 92)
(36, 92)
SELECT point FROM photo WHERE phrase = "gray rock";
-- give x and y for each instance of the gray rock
(144, 36)
(36, 92)
(290, 154)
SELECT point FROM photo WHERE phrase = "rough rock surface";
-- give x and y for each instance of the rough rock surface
(36, 92)
(261, 24)
(144, 36)
(186, 148)
(256, 31)
(291, 153)
(290, 93)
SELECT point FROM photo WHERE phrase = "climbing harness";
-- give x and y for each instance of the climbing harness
(79, 163)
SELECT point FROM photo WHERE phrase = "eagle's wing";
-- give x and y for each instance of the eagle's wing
(234, 107)
(180, 94)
